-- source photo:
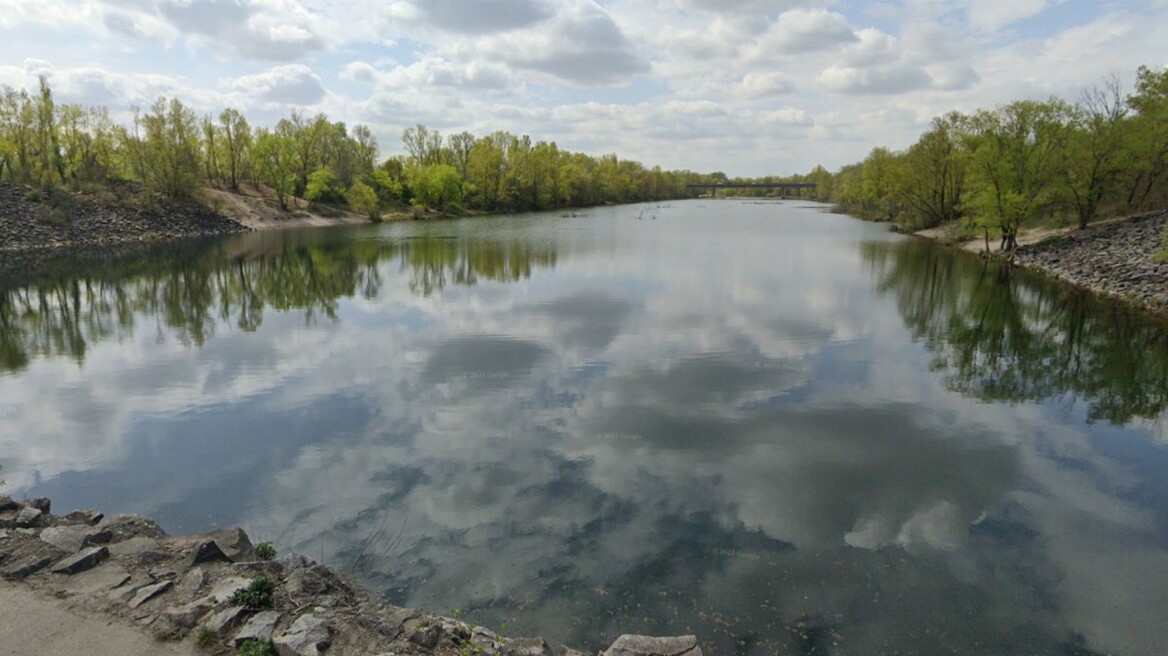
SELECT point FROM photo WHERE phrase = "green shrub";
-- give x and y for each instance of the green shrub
(257, 648)
(257, 595)
(265, 551)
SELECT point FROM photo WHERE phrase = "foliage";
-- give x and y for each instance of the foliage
(265, 551)
(363, 199)
(257, 595)
(324, 186)
(257, 648)
(999, 170)
(436, 185)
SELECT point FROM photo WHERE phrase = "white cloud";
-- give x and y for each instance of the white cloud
(290, 84)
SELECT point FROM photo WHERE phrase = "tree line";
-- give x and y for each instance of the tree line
(173, 152)
(997, 170)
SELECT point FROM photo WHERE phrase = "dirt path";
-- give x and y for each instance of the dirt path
(1026, 237)
(33, 623)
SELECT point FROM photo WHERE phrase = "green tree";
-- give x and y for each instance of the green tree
(436, 186)
(235, 144)
(164, 149)
(1016, 162)
(363, 198)
(1095, 154)
(276, 162)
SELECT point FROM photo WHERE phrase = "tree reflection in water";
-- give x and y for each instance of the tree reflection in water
(1003, 334)
(191, 289)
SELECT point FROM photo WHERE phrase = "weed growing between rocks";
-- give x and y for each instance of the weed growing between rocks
(257, 595)
(257, 648)
(206, 639)
(265, 551)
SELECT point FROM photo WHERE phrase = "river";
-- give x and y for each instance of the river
(784, 430)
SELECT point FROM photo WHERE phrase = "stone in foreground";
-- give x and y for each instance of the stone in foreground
(225, 620)
(29, 517)
(526, 647)
(147, 593)
(81, 561)
(26, 568)
(234, 544)
(259, 627)
(639, 645)
(308, 636)
(207, 552)
(73, 538)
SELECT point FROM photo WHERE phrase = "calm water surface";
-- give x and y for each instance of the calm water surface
(783, 430)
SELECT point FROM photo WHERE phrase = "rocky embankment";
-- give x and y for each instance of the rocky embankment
(216, 593)
(1117, 259)
(30, 219)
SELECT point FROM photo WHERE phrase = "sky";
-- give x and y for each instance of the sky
(747, 87)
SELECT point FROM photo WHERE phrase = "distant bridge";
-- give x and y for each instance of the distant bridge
(782, 186)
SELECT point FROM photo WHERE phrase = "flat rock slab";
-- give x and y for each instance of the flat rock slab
(225, 620)
(135, 547)
(187, 615)
(75, 537)
(259, 627)
(149, 592)
(526, 647)
(81, 561)
(26, 568)
(100, 580)
(225, 589)
(308, 636)
(639, 645)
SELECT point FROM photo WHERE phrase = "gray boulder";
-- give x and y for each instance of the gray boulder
(223, 621)
(234, 544)
(526, 647)
(259, 627)
(86, 515)
(308, 636)
(74, 537)
(638, 645)
(82, 560)
(29, 517)
(145, 594)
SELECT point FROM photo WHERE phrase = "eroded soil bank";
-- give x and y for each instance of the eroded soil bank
(115, 583)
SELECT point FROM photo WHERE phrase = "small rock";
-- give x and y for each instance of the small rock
(149, 592)
(207, 551)
(42, 504)
(234, 544)
(124, 527)
(144, 550)
(75, 537)
(6, 503)
(30, 517)
(639, 645)
(191, 583)
(8, 519)
(81, 561)
(3, 534)
(225, 620)
(259, 627)
(308, 636)
(123, 593)
(224, 590)
(86, 515)
(187, 615)
(526, 647)
(26, 568)
(565, 650)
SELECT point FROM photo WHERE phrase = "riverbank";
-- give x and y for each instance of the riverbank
(1118, 258)
(117, 584)
(31, 219)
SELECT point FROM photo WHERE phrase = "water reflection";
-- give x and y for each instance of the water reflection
(1000, 334)
(191, 290)
(755, 449)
